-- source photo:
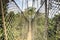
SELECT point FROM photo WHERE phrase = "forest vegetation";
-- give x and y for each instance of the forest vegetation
(19, 26)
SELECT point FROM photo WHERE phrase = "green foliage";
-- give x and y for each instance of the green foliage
(1, 28)
(29, 12)
(54, 29)
(17, 27)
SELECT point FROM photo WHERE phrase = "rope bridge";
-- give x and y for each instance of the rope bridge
(29, 24)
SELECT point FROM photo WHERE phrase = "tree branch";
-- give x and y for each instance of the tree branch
(37, 12)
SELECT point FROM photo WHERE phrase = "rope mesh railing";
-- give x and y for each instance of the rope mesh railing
(31, 24)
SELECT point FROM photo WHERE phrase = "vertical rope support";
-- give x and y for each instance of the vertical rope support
(27, 3)
(58, 6)
(33, 1)
(22, 4)
(58, 25)
(3, 21)
(37, 3)
(46, 21)
(27, 12)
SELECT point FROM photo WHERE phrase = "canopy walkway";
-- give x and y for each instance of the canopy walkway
(21, 20)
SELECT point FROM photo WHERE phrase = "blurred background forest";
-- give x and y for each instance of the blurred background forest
(30, 24)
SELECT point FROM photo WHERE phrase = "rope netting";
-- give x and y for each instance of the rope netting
(37, 21)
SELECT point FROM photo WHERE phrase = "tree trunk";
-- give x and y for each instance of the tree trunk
(29, 37)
